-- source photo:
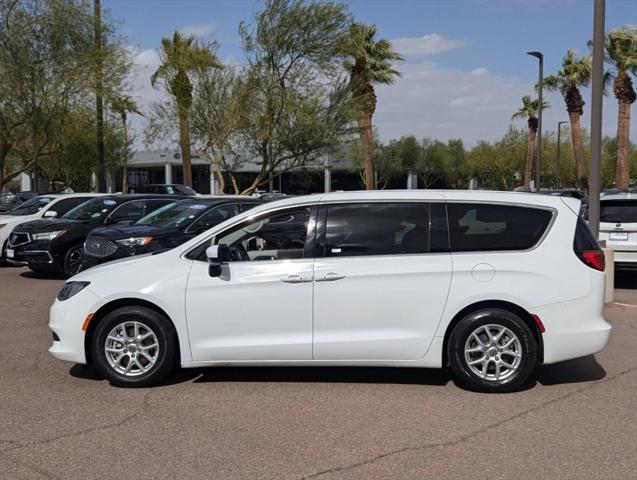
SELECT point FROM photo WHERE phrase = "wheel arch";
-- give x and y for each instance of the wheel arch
(113, 305)
(500, 304)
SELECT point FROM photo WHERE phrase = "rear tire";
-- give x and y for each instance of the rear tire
(134, 347)
(492, 350)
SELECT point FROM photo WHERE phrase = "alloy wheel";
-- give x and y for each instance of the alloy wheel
(131, 348)
(493, 352)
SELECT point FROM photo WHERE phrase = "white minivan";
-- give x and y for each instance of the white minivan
(488, 283)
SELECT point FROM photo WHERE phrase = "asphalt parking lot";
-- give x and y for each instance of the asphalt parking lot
(579, 420)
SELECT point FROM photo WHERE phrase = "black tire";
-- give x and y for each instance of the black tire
(166, 339)
(513, 378)
(71, 259)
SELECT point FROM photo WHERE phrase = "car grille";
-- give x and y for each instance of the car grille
(17, 239)
(99, 248)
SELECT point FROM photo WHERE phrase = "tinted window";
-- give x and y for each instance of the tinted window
(31, 206)
(95, 210)
(280, 235)
(128, 211)
(484, 227)
(64, 206)
(376, 229)
(618, 211)
(215, 217)
(247, 206)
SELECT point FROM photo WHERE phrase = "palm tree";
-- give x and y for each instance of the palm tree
(124, 105)
(369, 62)
(529, 110)
(621, 51)
(180, 56)
(575, 73)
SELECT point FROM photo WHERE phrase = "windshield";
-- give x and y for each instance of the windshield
(618, 211)
(174, 214)
(31, 207)
(93, 210)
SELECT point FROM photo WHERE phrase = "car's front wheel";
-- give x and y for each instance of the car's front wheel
(134, 347)
(73, 261)
(492, 350)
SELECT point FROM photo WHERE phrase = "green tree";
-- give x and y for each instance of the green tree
(453, 164)
(294, 106)
(216, 119)
(180, 57)
(122, 106)
(621, 52)
(575, 73)
(369, 62)
(529, 110)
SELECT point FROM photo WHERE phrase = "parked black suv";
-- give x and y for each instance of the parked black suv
(163, 229)
(55, 245)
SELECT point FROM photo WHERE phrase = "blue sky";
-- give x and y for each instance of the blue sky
(465, 67)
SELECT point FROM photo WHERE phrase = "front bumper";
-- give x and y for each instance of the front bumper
(65, 320)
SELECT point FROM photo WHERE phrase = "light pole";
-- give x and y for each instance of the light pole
(597, 90)
(538, 156)
(557, 163)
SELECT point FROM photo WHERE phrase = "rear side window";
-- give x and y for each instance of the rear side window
(487, 227)
(618, 211)
(375, 229)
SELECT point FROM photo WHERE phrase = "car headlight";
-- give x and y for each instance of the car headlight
(135, 241)
(48, 235)
(71, 288)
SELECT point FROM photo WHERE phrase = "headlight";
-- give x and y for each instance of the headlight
(48, 235)
(135, 241)
(71, 288)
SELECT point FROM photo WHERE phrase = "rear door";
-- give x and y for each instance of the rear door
(382, 276)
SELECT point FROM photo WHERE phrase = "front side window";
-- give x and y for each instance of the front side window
(215, 216)
(130, 211)
(375, 229)
(489, 227)
(277, 236)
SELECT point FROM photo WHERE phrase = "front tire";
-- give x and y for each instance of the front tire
(73, 261)
(134, 347)
(492, 350)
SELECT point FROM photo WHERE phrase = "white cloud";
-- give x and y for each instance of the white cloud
(430, 101)
(430, 44)
(197, 29)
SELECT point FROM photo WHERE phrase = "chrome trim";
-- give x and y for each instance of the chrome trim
(38, 251)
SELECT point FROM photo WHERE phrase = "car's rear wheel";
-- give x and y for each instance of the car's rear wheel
(134, 347)
(73, 260)
(492, 350)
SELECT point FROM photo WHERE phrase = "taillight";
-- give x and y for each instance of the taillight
(593, 258)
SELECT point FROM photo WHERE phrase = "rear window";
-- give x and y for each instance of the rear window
(618, 211)
(487, 227)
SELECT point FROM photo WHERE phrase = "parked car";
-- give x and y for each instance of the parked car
(55, 245)
(618, 227)
(168, 189)
(43, 206)
(490, 283)
(165, 228)
(9, 202)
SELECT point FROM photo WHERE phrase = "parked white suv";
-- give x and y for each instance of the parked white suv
(490, 283)
(42, 206)
(618, 226)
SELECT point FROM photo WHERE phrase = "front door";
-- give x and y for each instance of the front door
(382, 276)
(260, 308)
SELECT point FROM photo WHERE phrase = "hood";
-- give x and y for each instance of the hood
(87, 275)
(126, 231)
(48, 225)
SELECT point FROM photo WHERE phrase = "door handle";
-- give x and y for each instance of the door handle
(330, 277)
(295, 278)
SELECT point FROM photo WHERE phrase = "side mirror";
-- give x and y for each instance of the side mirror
(217, 256)
(50, 214)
